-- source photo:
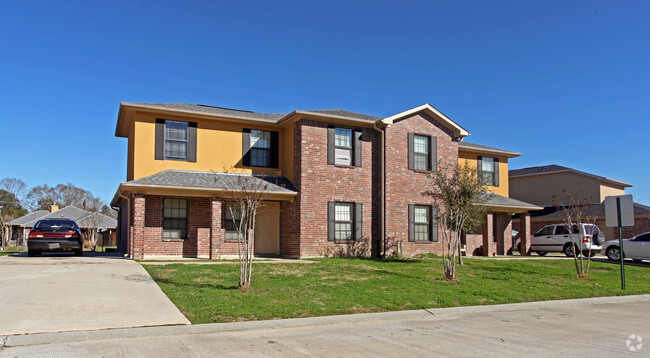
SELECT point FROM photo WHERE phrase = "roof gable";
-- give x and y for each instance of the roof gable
(431, 111)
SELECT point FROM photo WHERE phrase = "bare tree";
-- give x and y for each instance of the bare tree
(91, 223)
(458, 195)
(246, 196)
(16, 187)
(5, 233)
(576, 212)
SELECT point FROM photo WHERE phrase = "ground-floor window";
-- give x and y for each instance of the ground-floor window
(174, 218)
(344, 221)
(422, 223)
(233, 219)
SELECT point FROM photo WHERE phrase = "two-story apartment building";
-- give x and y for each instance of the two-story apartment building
(332, 178)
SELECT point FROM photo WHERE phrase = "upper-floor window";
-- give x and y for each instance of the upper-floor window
(175, 140)
(422, 152)
(260, 148)
(489, 170)
(344, 221)
(174, 219)
(343, 146)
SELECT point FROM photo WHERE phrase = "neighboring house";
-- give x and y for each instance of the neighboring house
(540, 185)
(545, 186)
(85, 219)
(335, 178)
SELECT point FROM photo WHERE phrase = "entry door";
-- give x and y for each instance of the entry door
(267, 229)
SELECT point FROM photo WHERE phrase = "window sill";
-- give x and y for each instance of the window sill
(173, 240)
(421, 171)
(346, 166)
(424, 242)
(343, 241)
(231, 241)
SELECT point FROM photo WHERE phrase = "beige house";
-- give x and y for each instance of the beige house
(539, 185)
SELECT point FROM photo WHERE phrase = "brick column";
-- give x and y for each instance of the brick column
(524, 233)
(137, 233)
(489, 246)
(503, 232)
(216, 231)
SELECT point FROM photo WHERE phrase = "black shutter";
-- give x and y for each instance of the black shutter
(160, 139)
(496, 172)
(331, 132)
(246, 147)
(191, 142)
(479, 168)
(330, 220)
(433, 225)
(410, 149)
(358, 221)
(433, 153)
(411, 222)
(275, 145)
(357, 147)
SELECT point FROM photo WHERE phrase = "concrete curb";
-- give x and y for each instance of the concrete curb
(146, 332)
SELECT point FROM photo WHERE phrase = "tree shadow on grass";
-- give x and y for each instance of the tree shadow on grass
(169, 282)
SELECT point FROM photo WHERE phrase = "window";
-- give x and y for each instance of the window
(488, 170)
(422, 152)
(175, 140)
(546, 231)
(343, 146)
(232, 225)
(422, 223)
(174, 219)
(643, 238)
(561, 230)
(260, 148)
(344, 221)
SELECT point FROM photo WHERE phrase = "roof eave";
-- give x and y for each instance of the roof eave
(502, 153)
(459, 131)
(297, 115)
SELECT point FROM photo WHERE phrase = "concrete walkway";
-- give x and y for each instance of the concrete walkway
(60, 292)
(597, 327)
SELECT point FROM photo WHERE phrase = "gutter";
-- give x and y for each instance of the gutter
(382, 190)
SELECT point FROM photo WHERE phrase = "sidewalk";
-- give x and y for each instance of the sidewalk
(594, 326)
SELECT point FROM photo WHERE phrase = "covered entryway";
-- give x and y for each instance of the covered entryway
(267, 230)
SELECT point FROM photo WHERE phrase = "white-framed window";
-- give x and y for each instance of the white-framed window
(260, 148)
(421, 152)
(488, 170)
(343, 146)
(343, 220)
(422, 222)
(176, 140)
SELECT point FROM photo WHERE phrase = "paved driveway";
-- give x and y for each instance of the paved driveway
(66, 293)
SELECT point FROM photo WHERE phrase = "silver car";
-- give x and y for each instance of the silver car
(586, 239)
(636, 248)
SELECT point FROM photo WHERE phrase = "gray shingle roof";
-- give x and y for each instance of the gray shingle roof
(69, 212)
(537, 170)
(468, 145)
(597, 210)
(211, 180)
(493, 199)
(348, 114)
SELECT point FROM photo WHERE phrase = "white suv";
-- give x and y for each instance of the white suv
(556, 238)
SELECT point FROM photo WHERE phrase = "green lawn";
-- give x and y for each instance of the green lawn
(208, 293)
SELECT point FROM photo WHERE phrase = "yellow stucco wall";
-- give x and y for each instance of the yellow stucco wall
(606, 190)
(471, 159)
(219, 148)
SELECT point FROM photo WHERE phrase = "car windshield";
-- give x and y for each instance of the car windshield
(55, 225)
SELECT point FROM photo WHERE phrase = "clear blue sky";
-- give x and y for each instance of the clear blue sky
(564, 82)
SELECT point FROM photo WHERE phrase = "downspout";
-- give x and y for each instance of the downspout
(382, 190)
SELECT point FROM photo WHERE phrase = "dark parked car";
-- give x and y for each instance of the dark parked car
(54, 235)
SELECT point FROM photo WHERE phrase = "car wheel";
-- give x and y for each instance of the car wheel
(542, 253)
(613, 253)
(637, 260)
(32, 253)
(592, 254)
(569, 250)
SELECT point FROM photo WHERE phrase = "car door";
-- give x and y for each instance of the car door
(543, 239)
(633, 248)
(560, 237)
(644, 245)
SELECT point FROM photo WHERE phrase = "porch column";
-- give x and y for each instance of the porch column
(524, 233)
(136, 249)
(503, 233)
(489, 247)
(216, 230)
